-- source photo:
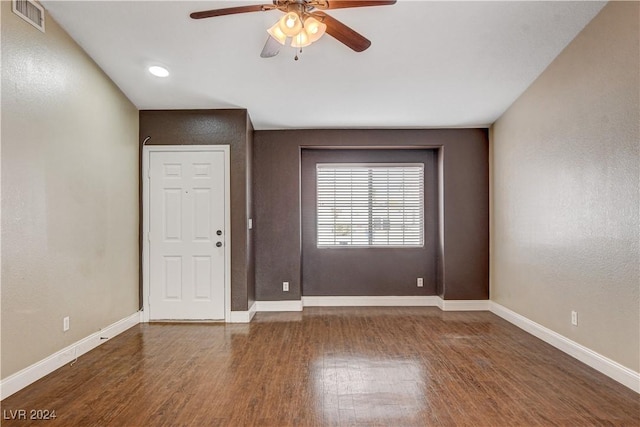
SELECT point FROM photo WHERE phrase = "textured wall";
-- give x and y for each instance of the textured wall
(566, 159)
(464, 218)
(69, 199)
(368, 271)
(203, 127)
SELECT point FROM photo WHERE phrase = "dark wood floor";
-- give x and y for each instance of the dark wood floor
(330, 366)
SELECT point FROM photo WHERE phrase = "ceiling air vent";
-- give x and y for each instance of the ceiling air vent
(30, 11)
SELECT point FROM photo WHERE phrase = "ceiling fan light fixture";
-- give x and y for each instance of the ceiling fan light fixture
(301, 39)
(277, 33)
(290, 24)
(315, 29)
(303, 22)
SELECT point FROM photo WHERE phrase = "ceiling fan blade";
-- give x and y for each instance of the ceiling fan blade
(342, 33)
(231, 11)
(343, 4)
(271, 48)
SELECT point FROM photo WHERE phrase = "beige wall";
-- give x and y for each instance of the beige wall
(69, 194)
(566, 159)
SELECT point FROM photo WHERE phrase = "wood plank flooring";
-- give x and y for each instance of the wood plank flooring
(329, 367)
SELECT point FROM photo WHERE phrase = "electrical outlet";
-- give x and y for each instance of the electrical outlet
(574, 318)
(285, 286)
(420, 282)
(65, 324)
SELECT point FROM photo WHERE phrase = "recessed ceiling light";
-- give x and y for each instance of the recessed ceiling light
(158, 71)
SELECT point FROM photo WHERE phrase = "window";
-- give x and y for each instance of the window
(370, 205)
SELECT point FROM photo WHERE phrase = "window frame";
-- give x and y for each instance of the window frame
(421, 165)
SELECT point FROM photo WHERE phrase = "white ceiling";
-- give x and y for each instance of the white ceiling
(431, 64)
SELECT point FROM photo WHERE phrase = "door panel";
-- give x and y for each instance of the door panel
(186, 209)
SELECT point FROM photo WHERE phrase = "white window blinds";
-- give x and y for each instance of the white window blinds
(370, 205)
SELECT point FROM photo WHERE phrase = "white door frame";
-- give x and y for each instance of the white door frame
(146, 150)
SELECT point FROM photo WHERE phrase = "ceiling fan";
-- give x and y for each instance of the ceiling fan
(304, 22)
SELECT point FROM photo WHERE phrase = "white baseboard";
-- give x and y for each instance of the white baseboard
(610, 368)
(252, 310)
(463, 305)
(287, 305)
(374, 301)
(33, 373)
(243, 316)
(370, 301)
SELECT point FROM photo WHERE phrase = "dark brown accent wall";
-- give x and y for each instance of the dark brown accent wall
(218, 127)
(463, 264)
(368, 271)
(250, 252)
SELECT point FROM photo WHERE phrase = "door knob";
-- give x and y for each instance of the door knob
(218, 244)
(219, 232)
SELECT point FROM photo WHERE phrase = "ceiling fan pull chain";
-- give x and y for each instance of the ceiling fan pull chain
(296, 57)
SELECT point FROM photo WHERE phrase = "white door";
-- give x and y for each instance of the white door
(187, 235)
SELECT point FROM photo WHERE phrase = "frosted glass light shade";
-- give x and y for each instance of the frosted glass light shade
(301, 39)
(315, 29)
(277, 33)
(290, 24)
